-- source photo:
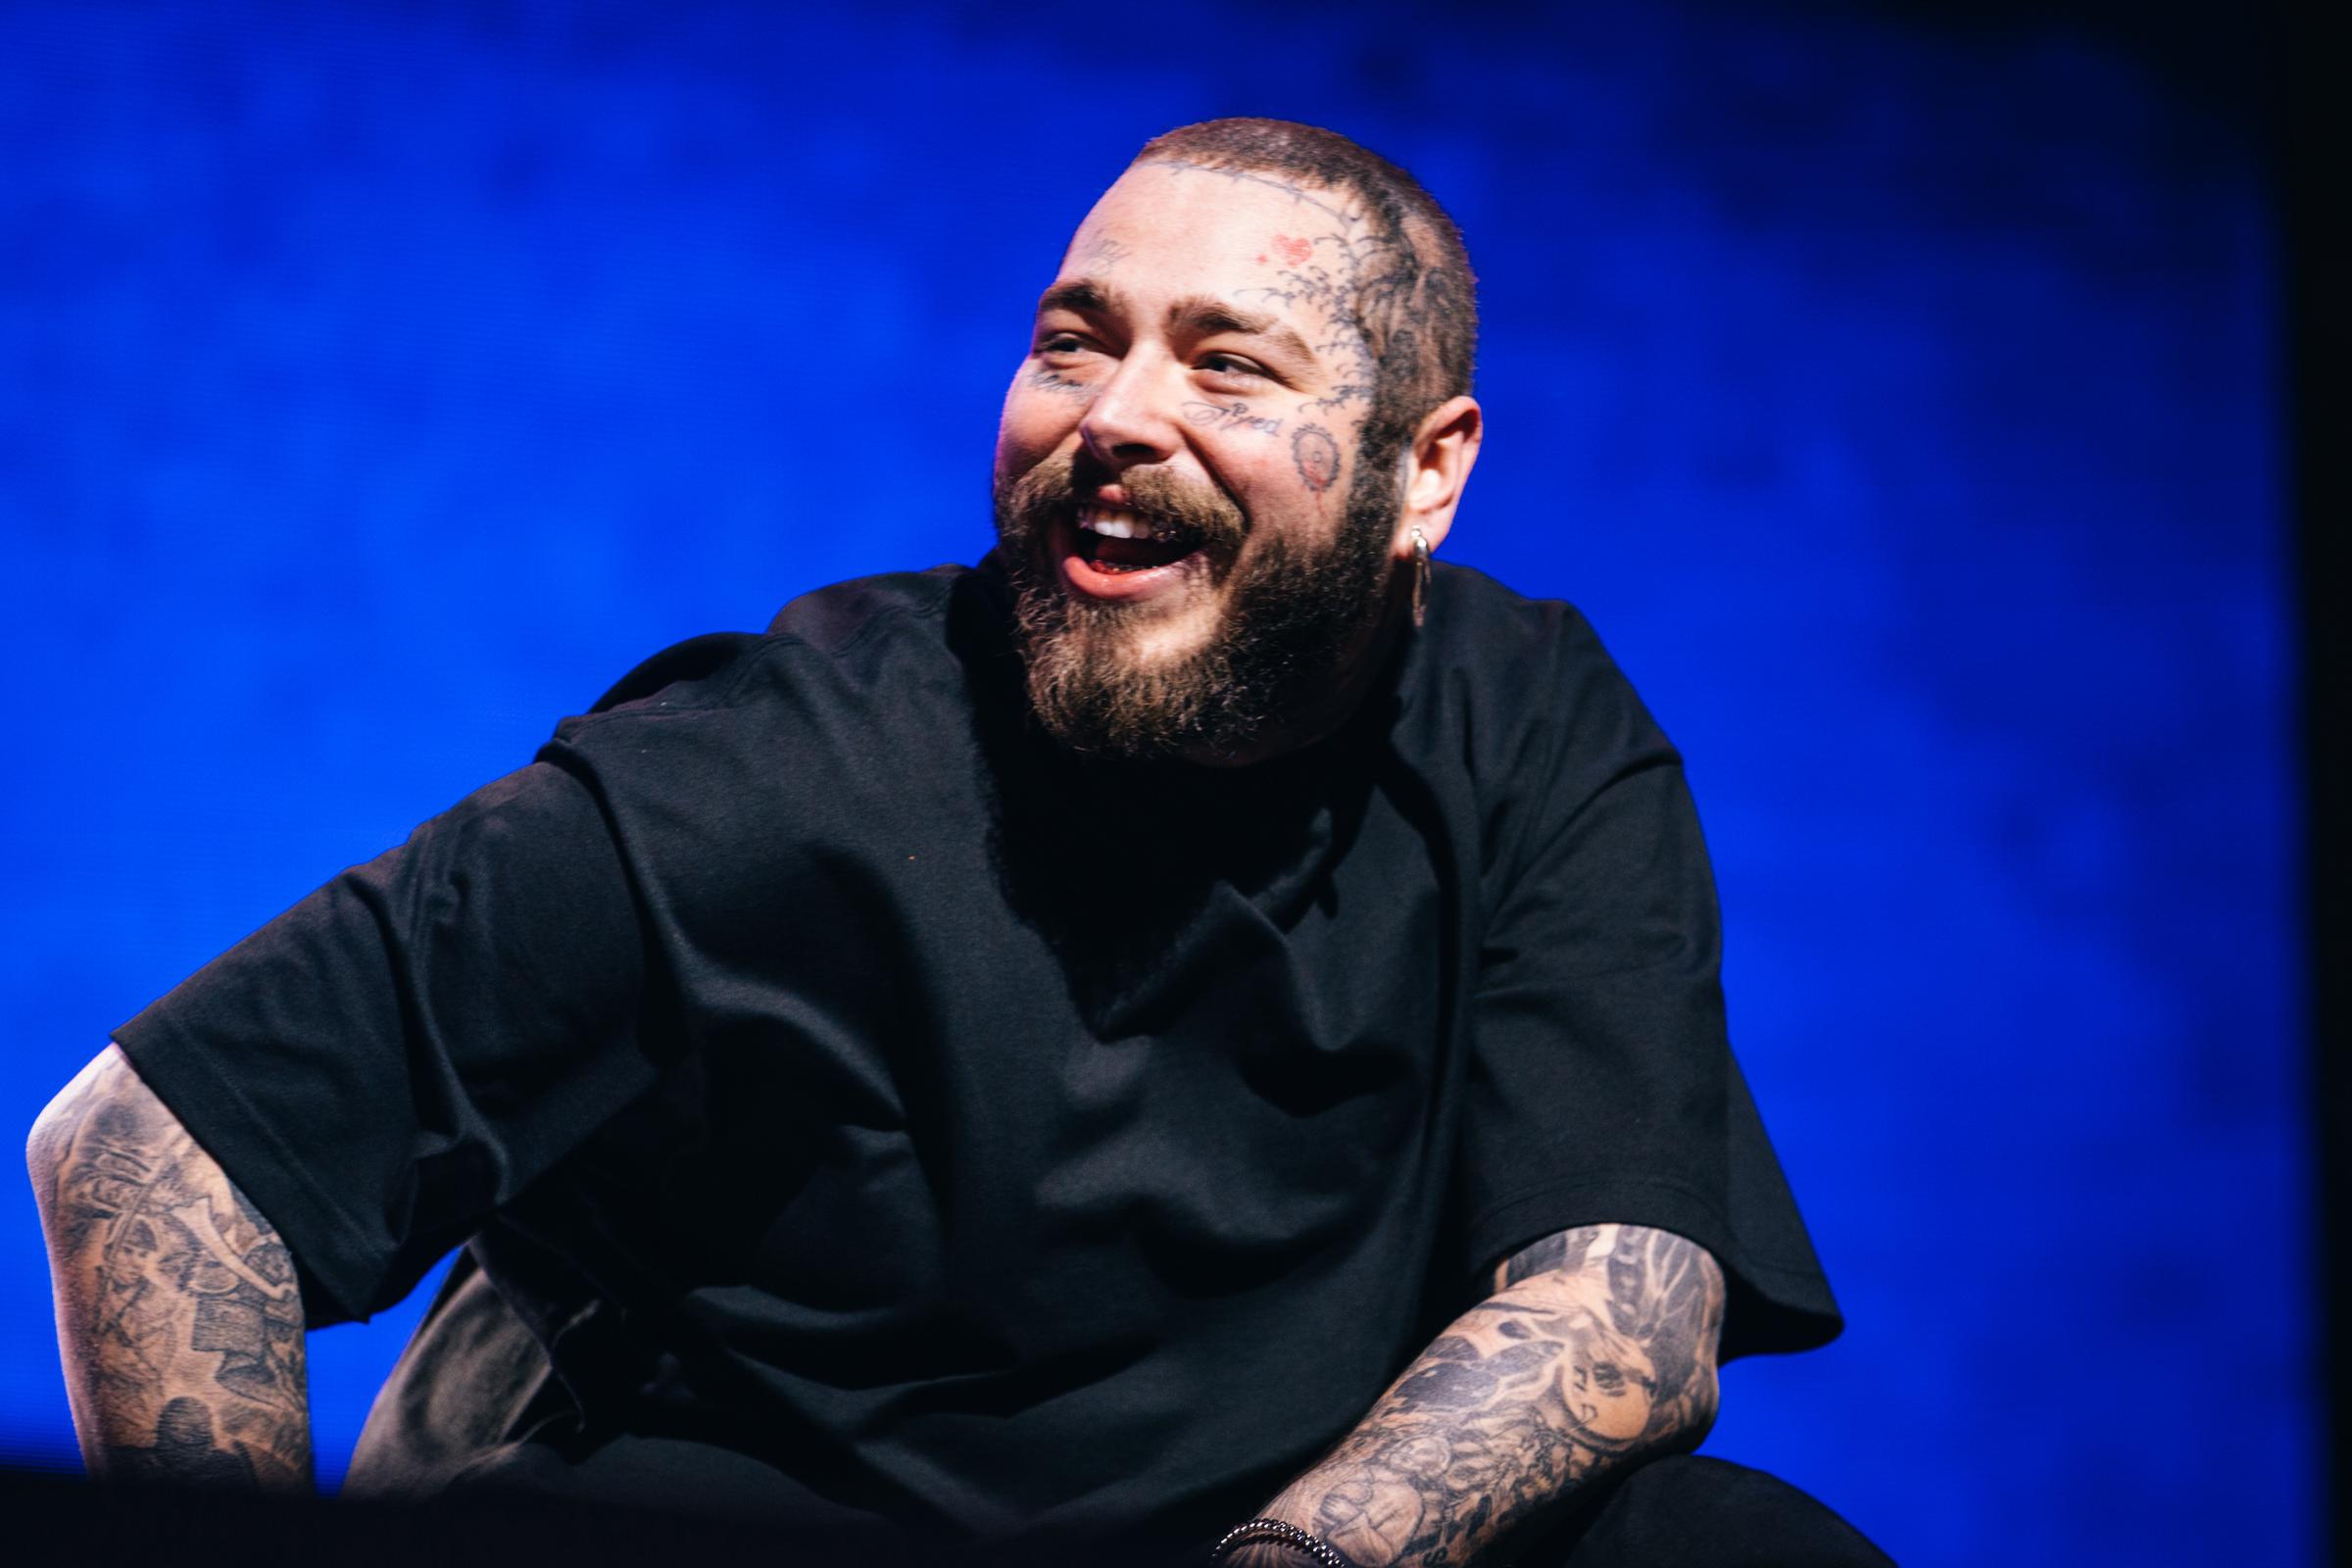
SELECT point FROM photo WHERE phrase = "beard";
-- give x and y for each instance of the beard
(1285, 620)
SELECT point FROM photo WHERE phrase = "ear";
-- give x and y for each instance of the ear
(1436, 465)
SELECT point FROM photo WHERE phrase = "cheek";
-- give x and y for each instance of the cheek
(1034, 424)
(1294, 467)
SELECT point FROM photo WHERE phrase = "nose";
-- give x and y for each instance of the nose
(1133, 419)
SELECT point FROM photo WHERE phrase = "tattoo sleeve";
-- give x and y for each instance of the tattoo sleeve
(178, 1315)
(1595, 1351)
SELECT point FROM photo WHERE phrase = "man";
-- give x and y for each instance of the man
(1026, 1055)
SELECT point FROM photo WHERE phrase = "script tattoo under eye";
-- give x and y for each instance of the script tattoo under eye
(1229, 416)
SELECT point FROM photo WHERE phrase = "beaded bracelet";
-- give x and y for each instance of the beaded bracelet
(1288, 1535)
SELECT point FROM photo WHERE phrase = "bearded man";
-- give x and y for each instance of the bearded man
(1200, 1031)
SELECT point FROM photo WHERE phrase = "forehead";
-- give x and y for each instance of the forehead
(1187, 229)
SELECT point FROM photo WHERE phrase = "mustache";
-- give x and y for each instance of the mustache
(1053, 489)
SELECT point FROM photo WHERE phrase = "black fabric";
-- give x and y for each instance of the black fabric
(1689, 1513)
(841, 1080)
(1698, 1512)
(472, 1382)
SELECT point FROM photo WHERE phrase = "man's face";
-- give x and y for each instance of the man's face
(1177, 491)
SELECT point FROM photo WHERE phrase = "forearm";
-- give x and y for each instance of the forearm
(178, 1316)
(1597, 1352)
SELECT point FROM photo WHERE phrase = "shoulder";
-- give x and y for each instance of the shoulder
(1468, 606)
(835, 620)
(1521, 682)
(1514, 711)
(726, 765)
(832, 638)
(851, 690)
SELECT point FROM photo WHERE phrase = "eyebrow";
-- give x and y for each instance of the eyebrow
(1199, 313)
(1086, 297)
(1195, 313)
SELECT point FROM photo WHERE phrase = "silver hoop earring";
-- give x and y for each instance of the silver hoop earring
(1420, 576)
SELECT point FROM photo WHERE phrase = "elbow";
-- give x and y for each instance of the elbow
(1683, 1417)
(1707, 1395)
(46, 1143)
(50, 1142)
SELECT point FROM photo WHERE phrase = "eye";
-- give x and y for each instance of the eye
(1061, 343)
(1221, 363)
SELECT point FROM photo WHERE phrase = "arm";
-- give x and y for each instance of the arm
(1595, 1351)
(178, 1315)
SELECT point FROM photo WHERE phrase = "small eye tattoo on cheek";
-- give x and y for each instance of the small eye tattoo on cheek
(1317, 456)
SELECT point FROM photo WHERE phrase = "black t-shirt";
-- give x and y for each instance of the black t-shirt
(900, 1118)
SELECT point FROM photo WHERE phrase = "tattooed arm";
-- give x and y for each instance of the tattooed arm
(1596, 1350)
(177, 1311)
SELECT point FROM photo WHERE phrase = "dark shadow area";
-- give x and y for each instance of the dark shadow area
(56, 1518)
(2313, 132)
(2216, 55)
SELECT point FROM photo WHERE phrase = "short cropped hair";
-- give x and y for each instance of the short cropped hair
(1408, 289)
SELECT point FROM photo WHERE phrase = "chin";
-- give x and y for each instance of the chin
(1164, 635)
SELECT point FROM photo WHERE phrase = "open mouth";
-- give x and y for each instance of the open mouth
(1114, 541)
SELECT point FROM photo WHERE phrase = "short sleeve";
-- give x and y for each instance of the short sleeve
(406, 1049)
(1602, 1087)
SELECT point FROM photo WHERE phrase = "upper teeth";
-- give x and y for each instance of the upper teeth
(1112, 522)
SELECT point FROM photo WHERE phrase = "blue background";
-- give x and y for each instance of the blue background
(1900, 401)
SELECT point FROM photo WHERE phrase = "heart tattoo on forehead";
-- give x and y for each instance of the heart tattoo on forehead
(1294, 251)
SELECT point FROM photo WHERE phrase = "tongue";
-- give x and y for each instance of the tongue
(1133, 555)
